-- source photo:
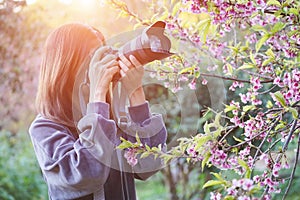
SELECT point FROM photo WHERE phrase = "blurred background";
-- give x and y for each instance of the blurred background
(24, 26)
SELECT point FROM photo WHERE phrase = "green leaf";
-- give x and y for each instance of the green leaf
(273, 2)
(212, 183)
(235, 150)
(217, 119)
(234, 49)
(197, 74)
(229, 198)
(259, 28)
(201, 141)
(229, 108)
(205, 160)
(125, 144)
(148, 148)
(145, 154)
(294, 112)
(206, 128)
(278, 27)
(243, 163)
(269, 104)
(279, 97)
(217, 132)
(270, 53)
(137, 138)
(287, 2)
(237, 139)
(255, 190)
(245, 166)
(294, 11)
(167, 157)
(261, 42)
(252, 58)
(266, 62)
(248, 107)
(188, 69)
(230, 69)
(246, 66)
(218, 176)
(280, 126)
(176, 8)
(203, 24)
(206, 31)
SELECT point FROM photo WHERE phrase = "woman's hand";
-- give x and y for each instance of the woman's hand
(103, 67)
(132, 73)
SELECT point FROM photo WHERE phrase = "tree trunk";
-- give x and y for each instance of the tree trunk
(169, 180)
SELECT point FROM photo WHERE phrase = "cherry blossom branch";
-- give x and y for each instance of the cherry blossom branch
(265, 138)
(267, 91)
(284, 148)
(250, 139)
(273, 110)
(257, 74)
(213, 76)
(244, 142)
(294, 170)
(123, 6)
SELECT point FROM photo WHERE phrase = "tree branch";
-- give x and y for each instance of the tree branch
(284, 148)
(123, 6)
(294, 169)
(265, 138)
(214, 76)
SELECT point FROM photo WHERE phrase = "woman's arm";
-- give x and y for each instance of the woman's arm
(150, 128)
(137, 97)
(81, 163)
(152, 132)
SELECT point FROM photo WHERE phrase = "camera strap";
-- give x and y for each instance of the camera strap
(119, 105)
(82, 101)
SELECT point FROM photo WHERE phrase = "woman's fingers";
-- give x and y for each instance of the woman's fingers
(123, 66)
(109, 64)
(125, 60)
(122, 73)
(99, 53)
(113, 70)
(134, 61)
(107, 58)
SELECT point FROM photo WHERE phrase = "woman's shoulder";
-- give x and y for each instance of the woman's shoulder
(43, 124)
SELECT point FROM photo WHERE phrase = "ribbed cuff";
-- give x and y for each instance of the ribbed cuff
(101, 108)
(139, 113)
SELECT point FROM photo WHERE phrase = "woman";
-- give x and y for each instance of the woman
(76, 149)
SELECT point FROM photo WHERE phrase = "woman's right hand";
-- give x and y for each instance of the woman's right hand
(103, 67)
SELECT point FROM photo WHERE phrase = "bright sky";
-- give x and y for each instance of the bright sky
(85, 3)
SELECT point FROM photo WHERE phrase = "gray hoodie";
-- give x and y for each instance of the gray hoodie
(90, 166)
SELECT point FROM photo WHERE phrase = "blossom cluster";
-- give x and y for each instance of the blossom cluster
(226, 160)
(290, 87)
(130, 155)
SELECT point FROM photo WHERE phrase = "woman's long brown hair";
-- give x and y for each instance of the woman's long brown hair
(68, 49)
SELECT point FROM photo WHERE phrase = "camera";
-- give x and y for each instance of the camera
(150, 45)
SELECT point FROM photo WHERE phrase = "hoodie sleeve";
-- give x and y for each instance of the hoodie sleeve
(149, 127)
(151, 131)
(75, 164)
